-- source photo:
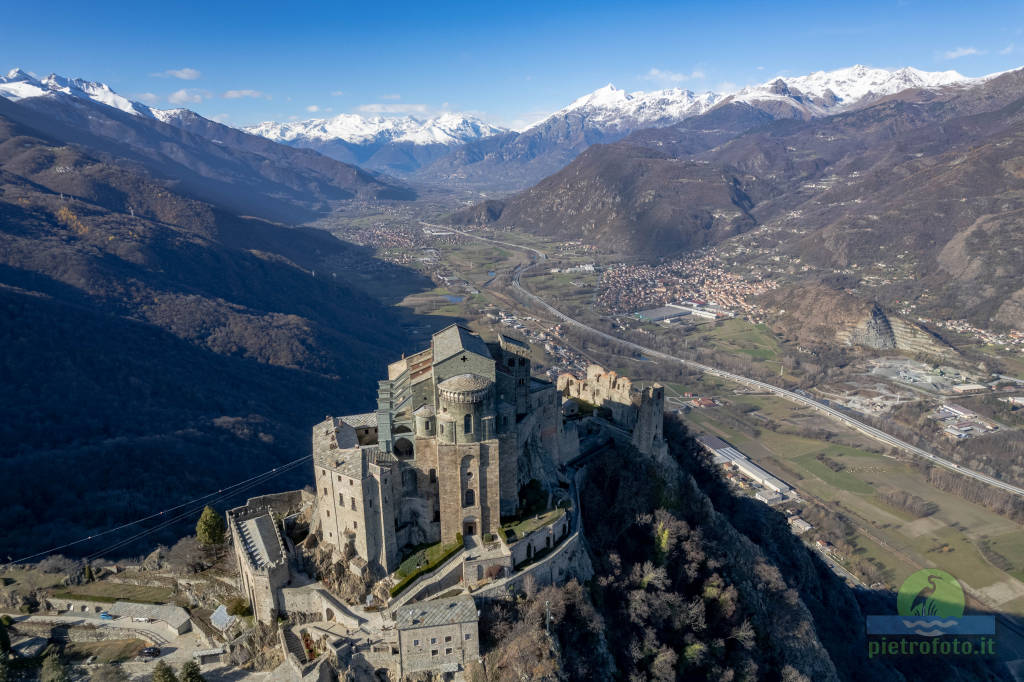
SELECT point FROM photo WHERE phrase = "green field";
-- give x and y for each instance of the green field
(107, 651)
(948, 539)
(740, 336)
(111, 592)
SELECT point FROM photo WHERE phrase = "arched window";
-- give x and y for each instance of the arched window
(433, 476)
(467, 424)
(470, 498)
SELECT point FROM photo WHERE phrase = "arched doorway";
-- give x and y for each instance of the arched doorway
(403, 448)
(328, 614)
(468, 527)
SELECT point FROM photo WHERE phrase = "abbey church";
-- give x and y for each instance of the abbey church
(459, 428)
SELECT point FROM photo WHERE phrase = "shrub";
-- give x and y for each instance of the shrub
(239, 606)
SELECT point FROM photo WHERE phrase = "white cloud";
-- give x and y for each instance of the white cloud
(337, 93)
(726, 87)
(188, 96)
(394, 108)
(148, 98)
(312, 108)
(239, 94)
(185, 74)
(671, 76)
(1007, 50)
(221, 118)
(760, 68)
(962, 52)
(393, 97)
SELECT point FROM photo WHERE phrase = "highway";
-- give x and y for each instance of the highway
(865, 429)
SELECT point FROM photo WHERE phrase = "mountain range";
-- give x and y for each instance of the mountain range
(457, 149)
(160, 310)
(924, 184)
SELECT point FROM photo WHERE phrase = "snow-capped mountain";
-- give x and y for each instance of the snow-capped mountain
(447, 129)
(18, 85)
(612, 108)
(825, 92)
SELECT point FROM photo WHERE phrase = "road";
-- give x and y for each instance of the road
(845, 419)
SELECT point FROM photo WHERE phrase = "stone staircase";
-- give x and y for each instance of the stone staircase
(294, 645)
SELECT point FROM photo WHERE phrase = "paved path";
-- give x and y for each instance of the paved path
(870, 431)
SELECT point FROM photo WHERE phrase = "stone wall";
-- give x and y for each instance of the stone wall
(539, 540)
(568, 560)
(603, 389)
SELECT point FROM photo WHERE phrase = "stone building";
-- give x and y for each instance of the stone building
(459, 428)
(262, 558)
(439, 635)
(637, 410)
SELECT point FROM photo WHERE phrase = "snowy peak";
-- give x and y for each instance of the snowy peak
(446, 129)
(18, 85)
(822, 91)
(610, 107)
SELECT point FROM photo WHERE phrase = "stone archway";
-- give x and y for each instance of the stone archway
(403, 448)
(328, 614)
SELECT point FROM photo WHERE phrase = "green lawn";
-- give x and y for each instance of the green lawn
(526, 526)
(425, 556)
(107, 651)
(111, 592)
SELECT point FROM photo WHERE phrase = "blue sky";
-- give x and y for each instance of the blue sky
(511, 63)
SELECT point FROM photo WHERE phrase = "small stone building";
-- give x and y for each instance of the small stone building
(262, 558)
(439, 635)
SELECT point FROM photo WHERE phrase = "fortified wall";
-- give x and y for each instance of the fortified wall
(637, 410)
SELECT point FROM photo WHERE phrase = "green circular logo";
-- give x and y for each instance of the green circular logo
(931, 592)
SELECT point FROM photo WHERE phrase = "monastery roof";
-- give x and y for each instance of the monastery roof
(455, 339)
(424, 411)
(539, 384)
(260, 539)
(465, 382)
(357, 421)
(515, 343)
(353, 462)
(425, 614)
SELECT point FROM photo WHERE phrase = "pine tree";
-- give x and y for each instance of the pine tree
(210, 528)
(5, 641)
(53, 670)
(190, 673)
(163, 673)
(89, 577)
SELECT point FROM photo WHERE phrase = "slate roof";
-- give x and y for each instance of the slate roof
(357, 421)
(261, 541)
(516, 343)
(455, 339)
(465, 382)
(425, 614)
(220, 619)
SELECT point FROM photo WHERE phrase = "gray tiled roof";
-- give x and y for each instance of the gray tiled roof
(357, 421)
(455, 339)
(465, 382)
(424, 614)
(516, 343)
(261, 540)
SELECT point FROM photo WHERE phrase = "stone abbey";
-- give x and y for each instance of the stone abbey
(459, 428)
